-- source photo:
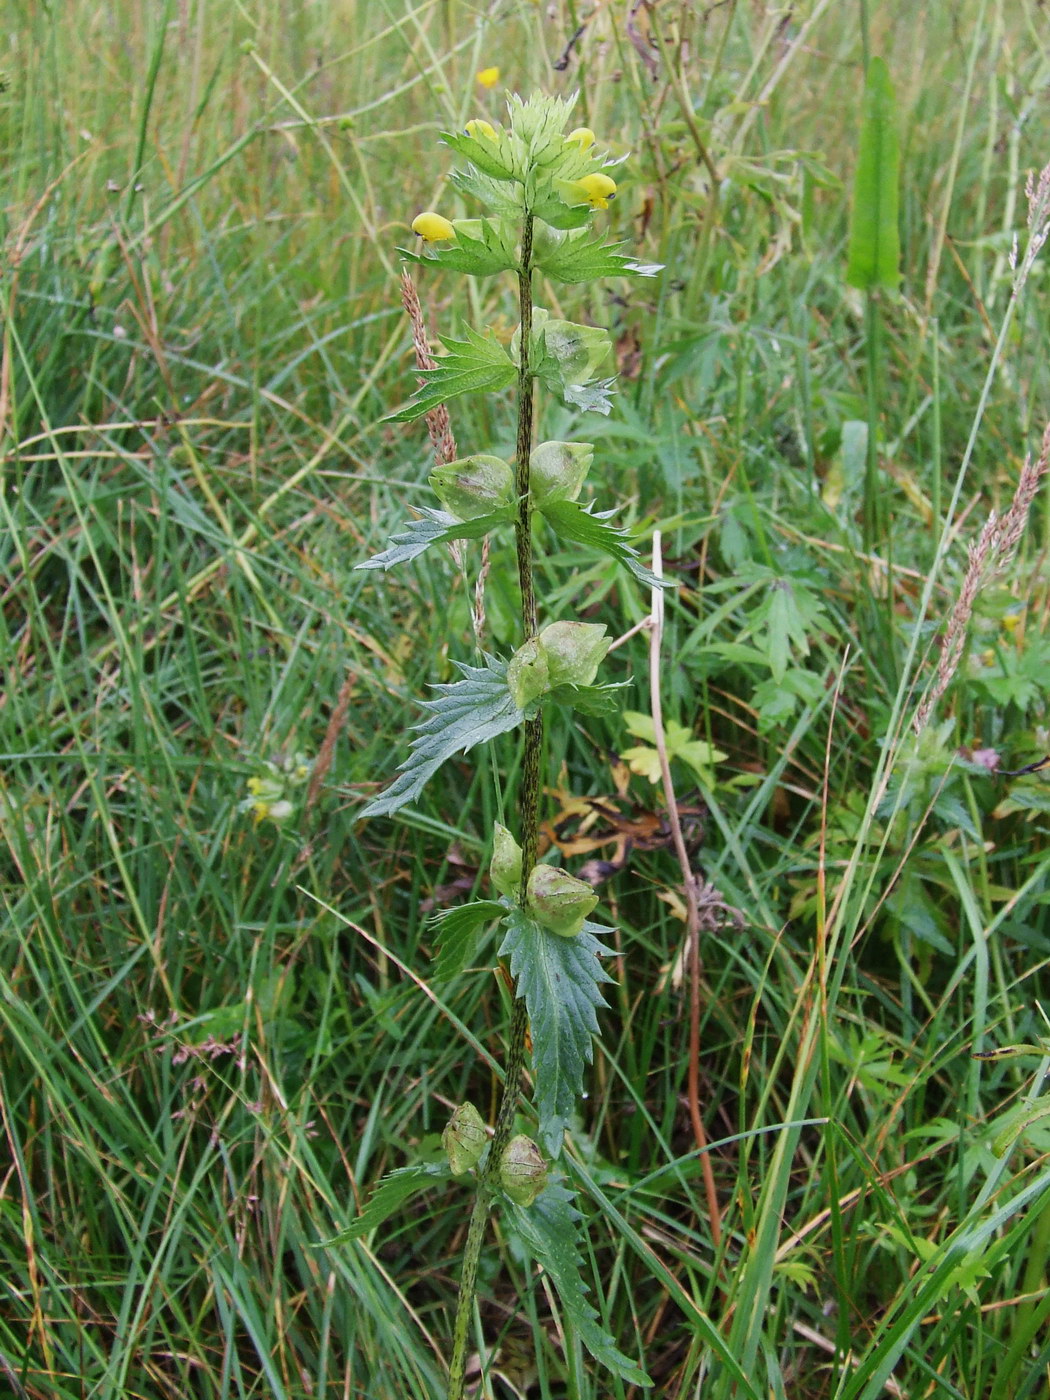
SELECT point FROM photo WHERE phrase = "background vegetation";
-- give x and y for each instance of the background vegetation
(216, 1032)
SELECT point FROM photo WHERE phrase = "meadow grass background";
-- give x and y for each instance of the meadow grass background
(216, 1033)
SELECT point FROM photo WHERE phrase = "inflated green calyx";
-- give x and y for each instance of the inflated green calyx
(528, 675)
(557, 470)
(558, 901)
(574, 651)
(474, 486)
(505, 869)
(522, 1170)
(464, 1139)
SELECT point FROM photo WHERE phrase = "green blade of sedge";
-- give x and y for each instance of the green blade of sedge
(874, 239)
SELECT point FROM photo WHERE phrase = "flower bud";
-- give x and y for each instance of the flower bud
(464, 1139)
(488, 77)
(480, 127)
(574, 651)
(528, 675)
(474, 486)
(505, 867)
(559, 901)
(557, 470)
(583, 136)
(522, 1170)
(433, 228)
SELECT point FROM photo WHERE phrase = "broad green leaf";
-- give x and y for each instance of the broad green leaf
(583, 259)
(874, 238)
(559, 979)
(581, 525)
(457, 931)
(466, 713)
(500, 160)
(475, 365)
(550, 1228)
(435, 527)
(389, 1195)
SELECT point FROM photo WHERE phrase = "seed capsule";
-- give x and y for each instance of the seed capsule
(559, 901)
(528, 675)
(522, 1170)
(505, 868)
(473, 486)
(464, 1139)
(574, 651)
(557, 470)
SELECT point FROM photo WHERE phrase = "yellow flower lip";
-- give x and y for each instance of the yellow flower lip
(488, 77)
(583, 136)
(433, 228)
(480, 127)
(598, 189)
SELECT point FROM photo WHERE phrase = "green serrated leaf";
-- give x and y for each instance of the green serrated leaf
(559, 979)
(550, 1228)
(435, 527)
(583, 259)
(593, 397)
(501, 197)
(466, 713)
(874, 240)
(389, 1195)
(457, 931)
(499, 160)
(582, 525)
(475, 365)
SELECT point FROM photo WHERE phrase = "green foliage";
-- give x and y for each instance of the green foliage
(466, 713)
(587, 526)
(388, 1197)
(874, 241)
(457, 930)
(560, 979)
(434, 527)
(474, 365)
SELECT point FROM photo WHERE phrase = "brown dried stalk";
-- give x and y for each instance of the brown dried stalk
(439, 425)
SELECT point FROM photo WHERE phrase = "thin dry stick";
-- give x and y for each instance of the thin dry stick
(327, 750)
(988, 557)
(692, 898)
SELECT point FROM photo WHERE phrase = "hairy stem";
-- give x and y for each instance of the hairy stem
(529, 808)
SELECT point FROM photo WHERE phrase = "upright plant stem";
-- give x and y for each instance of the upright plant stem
(529, 809)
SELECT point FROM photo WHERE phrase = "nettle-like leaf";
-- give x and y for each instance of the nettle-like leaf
(434, 527)
(504, 159)
(466, 713)
(500, 197)
(583, 259)
(560, 980)
(389, 1195)
(550, 1229)
(475, 365)
(457, 930)
(584, 525)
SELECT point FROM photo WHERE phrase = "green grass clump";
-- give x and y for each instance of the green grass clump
(217, 1032)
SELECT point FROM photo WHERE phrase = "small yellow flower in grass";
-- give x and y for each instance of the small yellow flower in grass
(583, 136)
(598, 189)
(488, 77)
(480, 127)
(432, 228)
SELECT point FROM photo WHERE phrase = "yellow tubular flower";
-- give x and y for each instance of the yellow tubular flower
(599, 189)
(583, 136)
(432, 228)
(479, 127)
(488, 77)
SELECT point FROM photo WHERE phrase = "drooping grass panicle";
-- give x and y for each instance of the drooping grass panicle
(988, 558)
(439, 425)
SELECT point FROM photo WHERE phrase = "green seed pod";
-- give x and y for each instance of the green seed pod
(464, 1139)
(559, 901)
(522, 1170)
(579, 350)
(528, 675)
(574, 651)
(474, 486)
(557, 470)
(505, 869)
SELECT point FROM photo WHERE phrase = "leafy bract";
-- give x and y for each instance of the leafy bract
(550, 1230)
(388, 1196)
(457, 931)
(435, 527)
(475, 365)
(588, 699)
(559, 979)
(466, 713)
(583, 259)
(584, 525)
(481, 248)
